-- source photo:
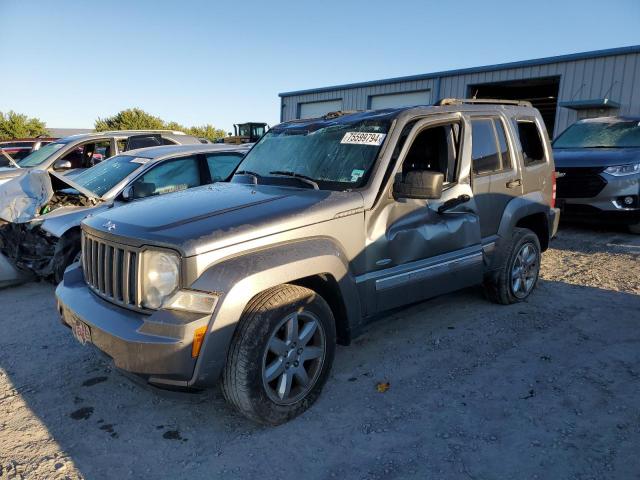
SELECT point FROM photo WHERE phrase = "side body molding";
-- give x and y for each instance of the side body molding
(239, 279)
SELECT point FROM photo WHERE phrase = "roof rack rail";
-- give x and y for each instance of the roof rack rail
(461, 101)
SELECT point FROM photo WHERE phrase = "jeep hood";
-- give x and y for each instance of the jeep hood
(207, 218)
(594, 157)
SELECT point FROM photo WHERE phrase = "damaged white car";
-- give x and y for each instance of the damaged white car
(41, 211)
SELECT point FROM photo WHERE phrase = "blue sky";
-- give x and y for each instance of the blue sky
(195, 62)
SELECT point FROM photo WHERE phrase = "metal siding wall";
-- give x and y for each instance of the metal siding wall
(616, 74)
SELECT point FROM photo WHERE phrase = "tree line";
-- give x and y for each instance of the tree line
(17, 125)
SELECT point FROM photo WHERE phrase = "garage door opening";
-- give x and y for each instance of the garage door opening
(318, 109)
(541, 92)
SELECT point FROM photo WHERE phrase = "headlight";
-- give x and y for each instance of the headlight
(160, 277)
(621, 170)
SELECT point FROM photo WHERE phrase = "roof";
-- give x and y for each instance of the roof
(350, 117)
(154, 153)
(500, 66)
(124, 133)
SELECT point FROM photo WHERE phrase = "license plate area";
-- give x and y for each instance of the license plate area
(81, 331)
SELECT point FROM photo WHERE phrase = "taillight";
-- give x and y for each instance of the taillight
(553, 189)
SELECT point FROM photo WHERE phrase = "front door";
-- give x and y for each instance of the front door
(414, 252)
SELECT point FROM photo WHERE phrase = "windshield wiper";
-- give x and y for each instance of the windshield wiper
(10, 158)
(297, 176)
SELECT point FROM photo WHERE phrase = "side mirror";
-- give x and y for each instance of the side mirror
(62, 164)
(421, 184)
(127, 193)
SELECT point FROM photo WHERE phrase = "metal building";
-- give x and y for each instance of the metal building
(565, 88)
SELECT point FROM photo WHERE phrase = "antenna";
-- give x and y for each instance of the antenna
(613, 84)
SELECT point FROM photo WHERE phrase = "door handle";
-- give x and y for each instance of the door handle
(514, 183)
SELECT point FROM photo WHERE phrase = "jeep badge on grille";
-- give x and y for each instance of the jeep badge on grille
(109, 226)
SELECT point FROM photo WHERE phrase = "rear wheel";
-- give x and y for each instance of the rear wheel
(281, 355)
(518, 268)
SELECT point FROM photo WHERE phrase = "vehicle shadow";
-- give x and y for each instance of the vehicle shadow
(478, 390)
(589, 238)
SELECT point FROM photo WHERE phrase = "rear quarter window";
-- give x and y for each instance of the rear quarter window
(531, 142)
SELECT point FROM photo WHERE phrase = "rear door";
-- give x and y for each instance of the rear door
(496, 176)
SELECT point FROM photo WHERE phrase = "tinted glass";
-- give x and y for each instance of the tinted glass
(601, 134)
(338, 156)
(484, 154)
(169, 176)
(106, 175)
(531, 141)
(502, 142)
(221, 165)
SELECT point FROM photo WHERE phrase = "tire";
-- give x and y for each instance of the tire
(66, 254)
(500, 286)
(634, 228)
(266, 354)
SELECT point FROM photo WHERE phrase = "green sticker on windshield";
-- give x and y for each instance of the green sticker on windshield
(356, 175)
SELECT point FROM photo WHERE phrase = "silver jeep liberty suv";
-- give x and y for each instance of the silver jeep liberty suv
(327, 223)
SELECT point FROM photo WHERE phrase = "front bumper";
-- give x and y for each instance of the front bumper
(156, 347)
(607, 204)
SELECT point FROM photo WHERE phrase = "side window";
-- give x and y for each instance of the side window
(484, 156)
(169, 176)
(531, 141)
(435, 149)
(502, 143)
(222, 164)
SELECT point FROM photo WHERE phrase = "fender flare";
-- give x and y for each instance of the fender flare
(517, 209)
(238, 279)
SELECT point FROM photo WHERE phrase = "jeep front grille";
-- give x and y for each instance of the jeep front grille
(580, 182)
(111, 270)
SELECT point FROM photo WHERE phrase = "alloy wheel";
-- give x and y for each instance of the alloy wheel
(525, 270)
(293, 358)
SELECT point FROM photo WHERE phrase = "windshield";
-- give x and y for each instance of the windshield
(338, 156)
(615, 134)
(106, 175)
(40, 156)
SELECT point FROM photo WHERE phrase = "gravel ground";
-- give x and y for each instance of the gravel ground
(545, 389)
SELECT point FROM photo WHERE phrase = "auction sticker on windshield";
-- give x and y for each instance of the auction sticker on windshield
(363, 138)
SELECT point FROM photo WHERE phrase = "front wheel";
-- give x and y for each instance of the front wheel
(280, 355)
(517, 269)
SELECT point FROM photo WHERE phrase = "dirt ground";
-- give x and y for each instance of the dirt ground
(546, 389)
